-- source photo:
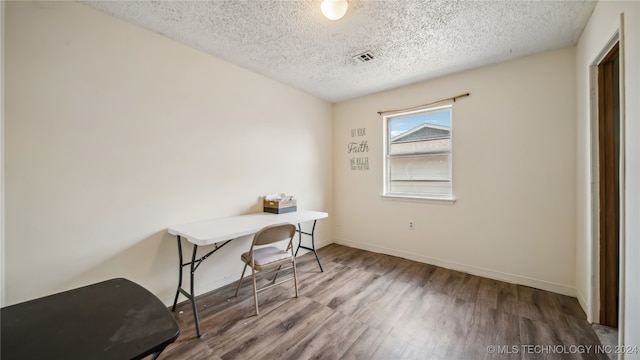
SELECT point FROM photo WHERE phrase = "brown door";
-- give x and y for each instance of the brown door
(609, 166)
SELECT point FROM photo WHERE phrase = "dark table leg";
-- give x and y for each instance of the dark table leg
(313, 242)
(193, 266)
(175, 301)
(191, 294)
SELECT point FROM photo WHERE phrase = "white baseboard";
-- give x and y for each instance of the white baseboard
(583, 304)
(474, 270)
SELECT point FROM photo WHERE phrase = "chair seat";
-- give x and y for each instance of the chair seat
(266, 255)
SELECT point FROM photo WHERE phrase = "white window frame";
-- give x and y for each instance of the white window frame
(438, 198)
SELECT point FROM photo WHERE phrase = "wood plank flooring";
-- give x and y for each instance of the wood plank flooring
(373, 306)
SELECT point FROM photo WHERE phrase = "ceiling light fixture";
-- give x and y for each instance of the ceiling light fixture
(334, 9)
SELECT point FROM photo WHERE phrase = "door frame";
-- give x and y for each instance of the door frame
(594, 309)
(609, 245)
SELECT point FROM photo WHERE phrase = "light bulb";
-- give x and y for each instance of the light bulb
(334, 9)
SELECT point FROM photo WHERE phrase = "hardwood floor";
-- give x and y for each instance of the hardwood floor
(373, 306)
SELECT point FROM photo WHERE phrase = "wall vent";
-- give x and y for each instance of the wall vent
(364, 57)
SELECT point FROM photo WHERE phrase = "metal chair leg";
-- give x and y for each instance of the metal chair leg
(295, 277)
(240, 281)
(255, 289)
(276, 275)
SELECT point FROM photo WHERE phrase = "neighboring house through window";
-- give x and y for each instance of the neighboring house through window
(418, 154)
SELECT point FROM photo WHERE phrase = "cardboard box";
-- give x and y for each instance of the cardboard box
(278, 204)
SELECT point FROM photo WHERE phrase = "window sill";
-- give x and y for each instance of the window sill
(446, 200)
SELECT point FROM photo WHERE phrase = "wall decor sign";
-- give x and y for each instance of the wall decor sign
(358, 148)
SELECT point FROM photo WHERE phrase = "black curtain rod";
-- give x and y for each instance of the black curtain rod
(425, 105)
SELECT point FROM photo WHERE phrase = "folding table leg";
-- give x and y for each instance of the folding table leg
(193, 295)
(181, 265)
(313, 242)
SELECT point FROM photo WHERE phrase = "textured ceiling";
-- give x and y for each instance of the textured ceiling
(411, 41)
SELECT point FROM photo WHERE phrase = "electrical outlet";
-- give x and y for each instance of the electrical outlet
(411, 225)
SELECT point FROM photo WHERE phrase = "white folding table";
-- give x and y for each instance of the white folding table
(219, 232)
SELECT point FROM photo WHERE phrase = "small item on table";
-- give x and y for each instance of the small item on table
(279, 204)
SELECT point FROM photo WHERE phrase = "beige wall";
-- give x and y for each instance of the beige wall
(114, 133)
(605, 22)
(513, 175)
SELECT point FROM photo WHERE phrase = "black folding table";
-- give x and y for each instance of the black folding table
(113, 319)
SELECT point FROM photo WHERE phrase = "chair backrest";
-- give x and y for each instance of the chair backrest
(274, 233)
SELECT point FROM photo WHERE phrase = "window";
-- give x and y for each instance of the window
(418, 154)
